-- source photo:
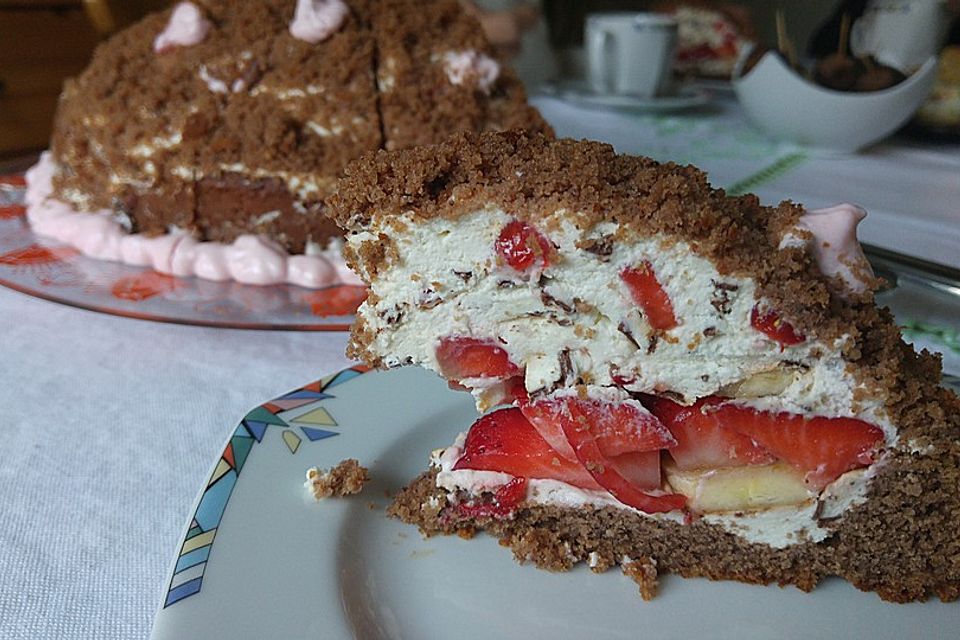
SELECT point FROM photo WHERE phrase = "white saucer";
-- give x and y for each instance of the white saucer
(579, 92)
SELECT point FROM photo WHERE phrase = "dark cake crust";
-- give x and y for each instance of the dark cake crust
(242, 153)
(901, 543)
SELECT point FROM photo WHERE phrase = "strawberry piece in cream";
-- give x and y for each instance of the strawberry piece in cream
(523, 247)
(462, 357)
(649, 295)
(768, 322)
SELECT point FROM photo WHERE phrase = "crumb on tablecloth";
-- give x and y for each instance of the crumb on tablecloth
(346, 478)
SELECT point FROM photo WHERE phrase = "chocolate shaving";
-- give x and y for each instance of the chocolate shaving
(463, 275)
(652, 341)
(602, 247)
(818, 514)
(721, 296)
(552, 317)
(429, 299)
(549, 300)
(710, 332)
(392, 316)
(566, 366)
(625, 330)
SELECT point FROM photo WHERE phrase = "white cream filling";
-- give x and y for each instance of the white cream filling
(445, 281)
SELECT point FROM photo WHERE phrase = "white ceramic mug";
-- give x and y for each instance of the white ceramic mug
(630, 53)
(901, 33)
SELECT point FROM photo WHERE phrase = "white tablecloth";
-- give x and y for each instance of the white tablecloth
(109, 424)
(109, 428)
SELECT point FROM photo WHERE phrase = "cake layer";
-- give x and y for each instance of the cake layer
(576, 323)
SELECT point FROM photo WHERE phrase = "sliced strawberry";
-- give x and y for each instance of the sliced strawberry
(523, 247)
(515, 391)
(461, 357)
(506, 441)
(701, 442)
(505, 501)
(825, 448)
(639, 468)
(543, 416)
(585, 445)
(769, 323)
(649, 295)
(619, 427)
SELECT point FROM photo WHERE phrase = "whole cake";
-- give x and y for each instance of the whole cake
(681, 381)
(205, 139)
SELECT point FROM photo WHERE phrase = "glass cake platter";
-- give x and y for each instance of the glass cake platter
(258, 557)
(38, 267)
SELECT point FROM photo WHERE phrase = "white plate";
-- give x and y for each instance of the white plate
(579, 93)
(283, 566)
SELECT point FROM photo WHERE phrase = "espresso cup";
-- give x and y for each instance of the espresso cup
(630, 53)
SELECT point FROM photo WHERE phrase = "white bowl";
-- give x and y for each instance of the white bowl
(789, 107)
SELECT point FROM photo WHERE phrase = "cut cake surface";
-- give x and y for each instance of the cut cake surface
(576, 284)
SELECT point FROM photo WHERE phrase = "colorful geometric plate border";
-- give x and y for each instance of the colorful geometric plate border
(312, 420)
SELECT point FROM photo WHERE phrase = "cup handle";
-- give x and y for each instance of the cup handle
(598, 56)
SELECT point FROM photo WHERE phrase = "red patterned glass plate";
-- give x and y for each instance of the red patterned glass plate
(38, 267)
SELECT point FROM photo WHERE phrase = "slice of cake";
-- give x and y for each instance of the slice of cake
(205, 139)
(680, 379)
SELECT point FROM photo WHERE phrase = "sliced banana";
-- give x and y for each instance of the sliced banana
(764, 383)
(749, 488)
